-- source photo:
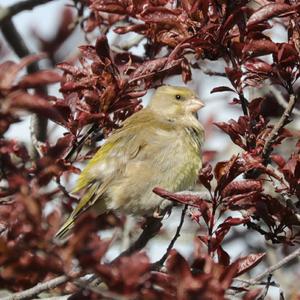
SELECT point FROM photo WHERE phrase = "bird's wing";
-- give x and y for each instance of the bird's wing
(107, 163)
(110, 160)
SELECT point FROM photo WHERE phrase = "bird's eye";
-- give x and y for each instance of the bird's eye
(178, 97)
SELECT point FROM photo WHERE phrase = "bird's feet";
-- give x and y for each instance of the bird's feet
(163, 209)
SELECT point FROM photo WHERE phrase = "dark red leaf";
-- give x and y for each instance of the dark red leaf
(39, 78)
(234, 76)
(259, 48)
(233, 131)
(186, 72)
(163, 280)
(102, 47)
(126, 273)
(9, 70)
(241, 187)
(135, 28)
(244, 201)
(258, 66)
(161, 15)
(36, 104)
(223, 256)
(206, 176)
(236, 18)
(278, 159)
(226, 171)
(68, 68)
(178, 266)
(224, 228)
(61, 147)
(233, 222)
(252, 294)
(11, 146)
(181, 198)
(110, 7)
(287, 54)
(269, 11)
(228, 275)
(203, 206)
(249, 262)
(153, 67)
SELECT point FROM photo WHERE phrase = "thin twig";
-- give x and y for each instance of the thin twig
(159, 263)
(36, 144)
(244, 281)
(279, 125)
(78, 146)
(97, 290)
(280, 99)
(264, 292)
(151, 228)
(212, 73)
(63, 189)
(7, 13)
(37, 289)
(275, 267)
(257, 280)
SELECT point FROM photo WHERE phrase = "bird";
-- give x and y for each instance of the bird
(158, 146)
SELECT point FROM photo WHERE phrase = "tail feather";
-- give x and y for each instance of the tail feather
(65, 229)
(93, 194)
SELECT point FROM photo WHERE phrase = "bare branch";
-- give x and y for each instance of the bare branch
(98, 290)
(280, 99)
(40, 287)
(17, 43)
(36, 144)
(7, 13)
(281, 123)
(153, 225)
(275, 267)
(159, 264)
(212, 73)
(257, 280)
(151, 228)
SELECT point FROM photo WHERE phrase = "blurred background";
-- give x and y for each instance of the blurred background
(62, 37)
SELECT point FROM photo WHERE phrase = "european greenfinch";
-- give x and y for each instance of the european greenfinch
(158, 146)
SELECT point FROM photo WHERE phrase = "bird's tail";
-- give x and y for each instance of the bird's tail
(93, 194)
(65, 229)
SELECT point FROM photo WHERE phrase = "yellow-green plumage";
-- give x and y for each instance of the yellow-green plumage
(157, 146)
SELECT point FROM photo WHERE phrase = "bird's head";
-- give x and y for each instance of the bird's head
(175, 101)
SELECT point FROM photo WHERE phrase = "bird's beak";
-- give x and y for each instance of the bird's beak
(194, 105)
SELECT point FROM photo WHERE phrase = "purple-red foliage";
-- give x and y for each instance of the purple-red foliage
(102, 89)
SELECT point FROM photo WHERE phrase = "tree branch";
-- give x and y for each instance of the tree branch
(7, 13)
(257, 280)
(279, 98)
(212, 73)
(17, 43)
(275, 267)
(160, 263)
(153, 225)
(279, 125)
(37, 289)
(151, 228)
